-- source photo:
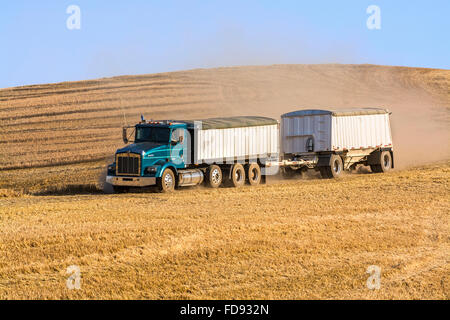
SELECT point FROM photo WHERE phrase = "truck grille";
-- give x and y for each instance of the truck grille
(128, 164)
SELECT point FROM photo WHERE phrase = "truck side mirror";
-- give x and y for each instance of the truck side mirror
(174, 142)
(124, 135)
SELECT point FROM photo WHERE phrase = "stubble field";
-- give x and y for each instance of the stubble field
(291, 239)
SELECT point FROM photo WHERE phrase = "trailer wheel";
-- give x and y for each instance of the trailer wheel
(385, 163)
(334, 170)
(167, 181)
(214, 176)
(237, 178)
(253, 174)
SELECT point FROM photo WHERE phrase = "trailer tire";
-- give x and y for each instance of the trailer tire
(385, 163)
(334, 170)
(237, 175)
(167, 181)
(214, 176)
(253, 174)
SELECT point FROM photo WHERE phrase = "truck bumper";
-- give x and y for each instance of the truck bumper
(131, 181)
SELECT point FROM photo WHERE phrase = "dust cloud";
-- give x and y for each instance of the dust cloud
(418, 99)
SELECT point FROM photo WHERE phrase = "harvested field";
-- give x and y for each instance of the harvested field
(303, 239)
(296, 239)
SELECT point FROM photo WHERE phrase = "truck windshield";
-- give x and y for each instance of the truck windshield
(152, 134)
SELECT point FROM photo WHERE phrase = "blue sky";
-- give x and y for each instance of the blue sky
(148, 36)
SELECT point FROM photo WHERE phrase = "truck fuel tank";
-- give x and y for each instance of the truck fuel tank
(190, 177)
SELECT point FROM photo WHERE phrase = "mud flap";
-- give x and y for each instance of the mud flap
(375, 157)
(324, 160)
(392, 157)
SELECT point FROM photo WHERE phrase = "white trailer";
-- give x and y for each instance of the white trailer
(227, 140)
(231, 150)
(335, 140)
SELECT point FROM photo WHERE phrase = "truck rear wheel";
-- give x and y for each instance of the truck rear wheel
(334, 170)
(253, 174)
(237, 177)
(214, 176)
(385, 163)
(167, 181)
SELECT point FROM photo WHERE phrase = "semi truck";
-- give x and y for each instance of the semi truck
(170, 154)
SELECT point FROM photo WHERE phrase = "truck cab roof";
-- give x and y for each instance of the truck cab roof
(162, 124)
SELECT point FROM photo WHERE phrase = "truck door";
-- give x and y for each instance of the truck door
(178, 152)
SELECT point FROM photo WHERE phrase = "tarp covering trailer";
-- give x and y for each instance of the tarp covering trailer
(223, 140)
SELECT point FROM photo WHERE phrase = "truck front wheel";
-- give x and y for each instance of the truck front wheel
(334, 170)
(214, 176)
(385, 163)
(167, 181)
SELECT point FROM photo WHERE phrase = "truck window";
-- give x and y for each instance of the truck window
(177, 133)
(152, 134)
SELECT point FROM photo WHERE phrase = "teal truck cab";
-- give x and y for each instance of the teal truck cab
(159, 151)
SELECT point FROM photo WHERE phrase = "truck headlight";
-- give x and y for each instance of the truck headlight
(111, 169)
(150, 170)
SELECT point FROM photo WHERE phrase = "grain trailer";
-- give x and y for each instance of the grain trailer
(332, 141)
(174, 153)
